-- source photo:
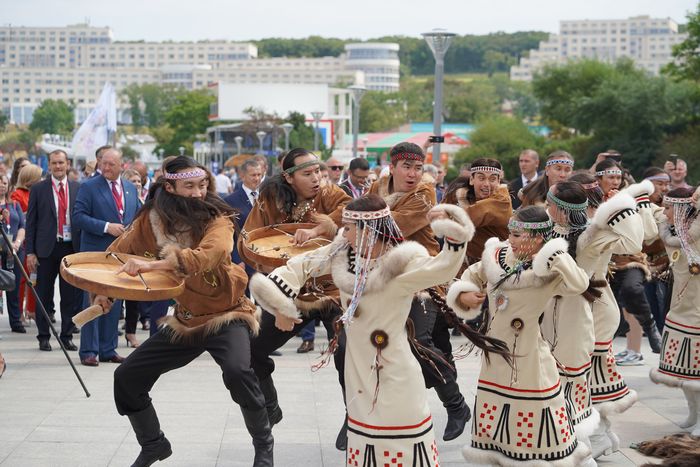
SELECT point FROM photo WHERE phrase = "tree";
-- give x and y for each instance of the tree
(686, 64)
(53, 117)
(187, 118)
(148, 103)
(380, 111)
(302, 135)
(4, 120)
(501, 138)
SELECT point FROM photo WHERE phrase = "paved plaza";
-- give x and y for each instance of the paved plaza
(46, 420)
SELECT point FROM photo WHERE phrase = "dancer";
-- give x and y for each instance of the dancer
(558, 167)
(191, 231)
(377, 275)
(520, 412)
(680, 348)
(296, 195)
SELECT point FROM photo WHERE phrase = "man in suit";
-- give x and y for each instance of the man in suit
(528, 161)
(243, 200)
(50, 237)
(356, 183)
(105, 206)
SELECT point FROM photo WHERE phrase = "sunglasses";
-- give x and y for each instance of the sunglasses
(335, 167)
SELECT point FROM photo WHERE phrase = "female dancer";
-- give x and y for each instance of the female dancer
(680, 349)
(520, 412)
(191, 230)
(389, 420)
(557, 168)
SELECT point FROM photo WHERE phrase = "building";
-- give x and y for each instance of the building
(73, 63)
(647, 41)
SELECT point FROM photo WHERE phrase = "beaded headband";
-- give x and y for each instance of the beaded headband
(669, 201)
(600, 173)
(407, 156)
(303, 165)
(564, 205)
(590, 186)
(486, 169)
(194, 173)
(349, 215)
(659, 178)
(559, 161)
(514, 224)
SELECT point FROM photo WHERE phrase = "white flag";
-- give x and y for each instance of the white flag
(96, 129)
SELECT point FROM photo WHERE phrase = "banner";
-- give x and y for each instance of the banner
(97, 129)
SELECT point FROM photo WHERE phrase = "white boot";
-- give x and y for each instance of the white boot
(696, 428)
(614, 440)
(691, 399)
(599, 441)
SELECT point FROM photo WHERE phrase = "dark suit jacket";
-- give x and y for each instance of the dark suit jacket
(95, 206)
(240, 202)
(515, 186)
(42, 219)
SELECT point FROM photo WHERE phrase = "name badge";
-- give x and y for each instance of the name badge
(66, 233)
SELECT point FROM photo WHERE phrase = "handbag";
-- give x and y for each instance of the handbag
(7, 280)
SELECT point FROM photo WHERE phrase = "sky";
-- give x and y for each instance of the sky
(186, 20)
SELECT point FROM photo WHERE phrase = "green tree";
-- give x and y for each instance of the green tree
(302, 135)
(149, 103)
(4, 120)
(686, 64)
(54, 117)
(187, 118)
(381, 111)
(501, 138)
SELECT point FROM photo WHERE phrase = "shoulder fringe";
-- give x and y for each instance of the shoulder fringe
(618, 406)
(271, 298)
(620, 202)
(645, 187)
(489, 457)
(659, 378)
(542, 262)
(453, 293)
(459, 227)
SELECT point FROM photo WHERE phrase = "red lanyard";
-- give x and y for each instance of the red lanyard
(118, 200)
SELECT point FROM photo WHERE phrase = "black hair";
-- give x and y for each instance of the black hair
(683, 192)
(15, 172)
(483, 162)
(405, 147)
(595, 195)
(572, 192)
(606, 164)
(536, 192)
(101, 149)
(652, 171)
(372, 202)
(358, 164)
(533, 214)
(450, 196)
(184, 214)
(276, 190)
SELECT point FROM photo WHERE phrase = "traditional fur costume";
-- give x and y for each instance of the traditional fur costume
(214, 287)
(389, 421)
(520, 415)
(490, 217)
(679, 362)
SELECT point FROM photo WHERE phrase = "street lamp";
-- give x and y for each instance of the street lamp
(182, 150)
(239, 142)
(365, 142)
(317, 118)
(161, 151)
(220, 151)
(261, 136)
(357, 92)
(439, 41)
(287, 127)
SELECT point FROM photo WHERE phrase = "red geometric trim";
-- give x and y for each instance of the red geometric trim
(576, 369)
(519, 390)
(604, 343)
(678, 376)
(682, 325)
(375, 427)
(619, 393)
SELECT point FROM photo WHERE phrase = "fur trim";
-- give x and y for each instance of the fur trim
(483, 456)
(645, 187)
(184, 240)
(608, 209)
(542, 262)
(659, 378)
(178, 332)
(621, 405)
(393, 264)
(634, 265)
(494, 270)
(271, 298)
(457, 288)
(171, 254)
(459, 227)
(586, 427)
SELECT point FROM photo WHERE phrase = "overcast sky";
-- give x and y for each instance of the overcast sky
(156, 20)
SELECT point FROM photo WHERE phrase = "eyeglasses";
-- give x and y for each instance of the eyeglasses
(335, 167)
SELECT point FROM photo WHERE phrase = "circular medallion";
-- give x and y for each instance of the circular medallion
(676, 255)
(694, 269)
(517, 324)
(501, 302)
(379, 339)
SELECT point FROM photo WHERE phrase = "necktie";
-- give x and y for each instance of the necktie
(527, 181)
(62, 208)
(117, 200)
(254, 195)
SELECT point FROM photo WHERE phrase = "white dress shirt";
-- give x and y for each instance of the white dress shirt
(54, 190)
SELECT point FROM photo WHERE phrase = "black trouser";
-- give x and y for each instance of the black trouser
(270, 339)
(135, 311)
(432, 332)
(71, 297)
(628, 287)
(230, 348)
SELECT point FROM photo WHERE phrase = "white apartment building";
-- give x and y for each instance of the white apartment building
(73, 63)
(647, 41)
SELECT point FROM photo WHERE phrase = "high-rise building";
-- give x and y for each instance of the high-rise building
(73, 63)
(647, 41)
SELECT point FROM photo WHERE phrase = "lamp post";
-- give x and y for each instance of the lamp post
(317, 118)
(220, 151)
(161, 151)
(261, 137)
(239, 142)
(365, 142)
(182, 150)
(439, 41)
(357, 92)
(287, 127)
